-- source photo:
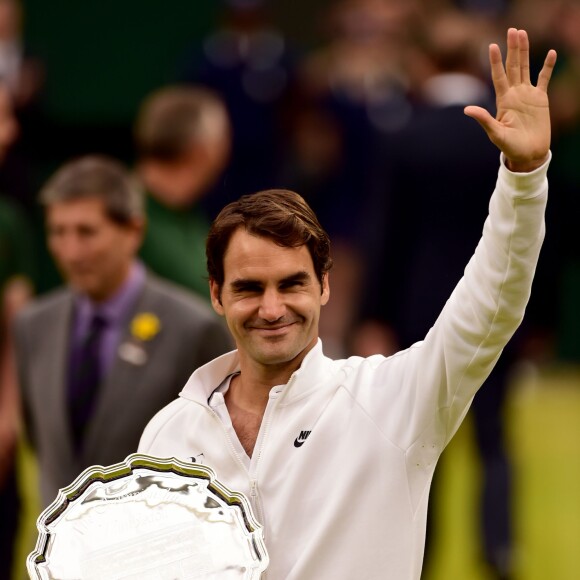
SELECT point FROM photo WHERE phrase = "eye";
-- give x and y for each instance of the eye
(247, 288)
(86, 231)
(291, 284)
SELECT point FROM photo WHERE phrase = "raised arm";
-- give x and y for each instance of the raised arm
(521, 129)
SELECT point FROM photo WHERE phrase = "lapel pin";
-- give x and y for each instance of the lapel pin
(132, 353)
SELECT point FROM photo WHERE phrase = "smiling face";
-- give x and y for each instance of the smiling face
(93, 252)
(271, 300)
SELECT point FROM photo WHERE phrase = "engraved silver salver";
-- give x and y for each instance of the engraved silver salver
(149, 519)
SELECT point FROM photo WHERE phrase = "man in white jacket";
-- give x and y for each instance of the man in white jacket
(336, 456)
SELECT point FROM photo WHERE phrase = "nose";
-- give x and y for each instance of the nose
(66, 247)
(272, 305)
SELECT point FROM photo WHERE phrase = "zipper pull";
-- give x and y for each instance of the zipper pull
(253, 488)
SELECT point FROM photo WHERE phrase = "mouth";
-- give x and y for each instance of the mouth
(77, 271)
(272, 330)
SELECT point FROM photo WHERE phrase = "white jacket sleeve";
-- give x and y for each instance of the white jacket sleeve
(436, 379)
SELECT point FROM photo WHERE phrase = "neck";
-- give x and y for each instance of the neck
(255, 381)
(249, 397)
(251, 388)
(106, 294)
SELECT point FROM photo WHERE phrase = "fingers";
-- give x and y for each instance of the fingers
(512, 61)
(517, 64)
(498, 75)
(546, 72)
(482, 116)
(493, 129)
(524, 55)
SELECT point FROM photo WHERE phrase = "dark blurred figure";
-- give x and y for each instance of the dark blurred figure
(17, 270)
(248, 62)
(359, 73)
(361, 59)
(97, 358)
(564, 25)
(352, 86)
(23, 76)
(315, 164)
(183, 141)
(430, 225)
(489, 8)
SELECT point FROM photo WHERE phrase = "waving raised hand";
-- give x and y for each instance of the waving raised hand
(521, 128)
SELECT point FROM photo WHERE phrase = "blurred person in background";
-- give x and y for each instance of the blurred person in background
(430, 208)
(21, 73)
(183, 141)
(248, 61)
(17, 271)
(361, 62)
(564, 276)
(98, 357)
(22, 76)
(493, 9)
(9, 127)
(359, 72)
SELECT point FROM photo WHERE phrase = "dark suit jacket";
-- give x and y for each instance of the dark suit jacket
(135, 389)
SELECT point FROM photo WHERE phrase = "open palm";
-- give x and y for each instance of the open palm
(521, 128)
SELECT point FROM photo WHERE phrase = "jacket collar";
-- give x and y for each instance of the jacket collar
(314, 369)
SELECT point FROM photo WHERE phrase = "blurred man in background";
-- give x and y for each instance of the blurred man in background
(97, 358)
(182, 137)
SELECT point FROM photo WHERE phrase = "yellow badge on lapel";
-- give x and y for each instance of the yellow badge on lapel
(145, 326)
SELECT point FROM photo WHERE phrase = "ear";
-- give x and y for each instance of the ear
(215, 293)
(325, 290)
(137, 228)
(139, 225)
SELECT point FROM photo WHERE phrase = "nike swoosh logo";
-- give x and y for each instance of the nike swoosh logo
(302, 436)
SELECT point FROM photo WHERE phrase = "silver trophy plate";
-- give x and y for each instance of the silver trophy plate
(149, 519)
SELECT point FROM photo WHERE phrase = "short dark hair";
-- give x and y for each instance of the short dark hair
(278, 214)
(173, 117)
(97, 176)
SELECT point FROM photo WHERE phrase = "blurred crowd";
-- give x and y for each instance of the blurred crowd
(366, 123)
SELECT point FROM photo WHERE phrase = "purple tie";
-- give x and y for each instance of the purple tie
(84, 379)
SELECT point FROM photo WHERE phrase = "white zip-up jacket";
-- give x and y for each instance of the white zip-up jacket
(342, 466)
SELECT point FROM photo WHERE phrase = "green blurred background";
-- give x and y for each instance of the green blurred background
(104, 56)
